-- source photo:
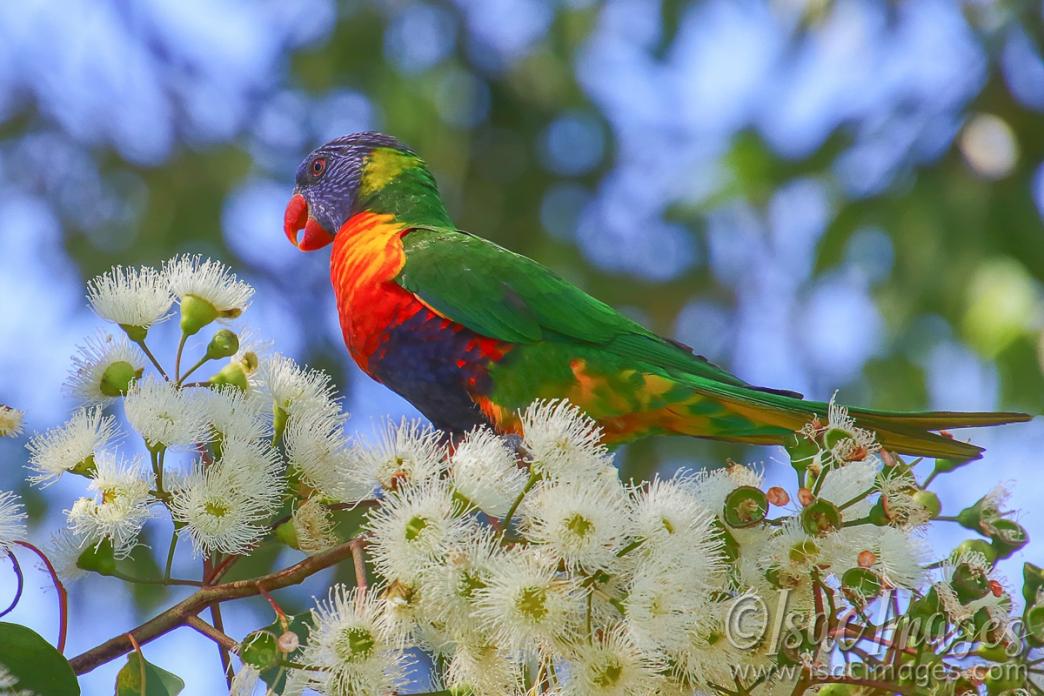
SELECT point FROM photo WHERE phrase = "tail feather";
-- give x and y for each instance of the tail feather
(905, 433)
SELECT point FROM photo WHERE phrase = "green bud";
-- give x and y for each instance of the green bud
(877, 514)
(945, 466)
(978, 546)
(1008, 536)
(135, 333)
(1034, 625)
(969, 584)
(860, 584)
(224, 344)
(231, 374)
(971, 516)
(820, 518)
(117, 378)
(1032, 580)
(929, 501)
(195, 314)
(260, 649)
(98, 559)
(745, 506)
(287, 533)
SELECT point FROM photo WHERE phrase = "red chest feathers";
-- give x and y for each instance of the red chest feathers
(367, 256)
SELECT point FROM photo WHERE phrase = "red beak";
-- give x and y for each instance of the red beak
(297, 218)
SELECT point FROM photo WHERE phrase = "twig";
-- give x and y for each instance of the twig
(63, 597)
(219, 637)
(19, 585)
(152, 359)
(280, 614)
(207, 595)
(177, 358)
(141, 661)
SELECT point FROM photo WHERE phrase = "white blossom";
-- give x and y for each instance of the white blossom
(232, 414)
(294, 390)
(413, 526)
(562, 440)
(10, 421)
(245, 681)
(484, 670)
(119, 508)
(131, 297)
(668, 510)
(69, 446)
(208, 280)
(450, 583)
(612, 665)
(527, 603)
(165, 415)
(582, 524)
(844, 439)
(485, 471)
(12, 519)
(226, 506)
(101, 367)
(356, 652)
(317, 448)
(64, 550)
(411, 452)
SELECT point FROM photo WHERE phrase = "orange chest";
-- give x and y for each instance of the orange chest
(367, 256)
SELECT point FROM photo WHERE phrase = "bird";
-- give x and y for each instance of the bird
(471, 333)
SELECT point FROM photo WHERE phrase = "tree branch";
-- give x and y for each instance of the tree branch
(178, 614)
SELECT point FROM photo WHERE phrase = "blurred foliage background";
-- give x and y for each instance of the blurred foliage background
(818, 194)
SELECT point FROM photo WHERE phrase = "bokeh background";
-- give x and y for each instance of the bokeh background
(819, 194)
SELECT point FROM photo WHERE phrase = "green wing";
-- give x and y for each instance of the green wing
(504, 295)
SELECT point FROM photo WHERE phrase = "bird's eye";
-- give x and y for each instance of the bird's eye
(318, 166)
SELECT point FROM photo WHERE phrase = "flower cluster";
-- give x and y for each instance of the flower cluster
(517, 564)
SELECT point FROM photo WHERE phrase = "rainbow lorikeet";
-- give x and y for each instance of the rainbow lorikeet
(471, 333)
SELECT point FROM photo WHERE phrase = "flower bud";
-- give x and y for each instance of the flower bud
(1008, 536)
(977, 546)
(877, 514)
(971, 516)
(821, 518)
(777, 496)
(233, 375)
(117, 378)
(929, 501)
(745, 506)
(866, 559)
(260, 650)
(224, 344)
(805, 497)
(288, 642)
(195, 314)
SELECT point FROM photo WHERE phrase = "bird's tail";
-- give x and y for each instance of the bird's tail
(767, 417)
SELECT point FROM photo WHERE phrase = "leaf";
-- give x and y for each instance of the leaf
(34, 662)
(158, 681)
(275, 677)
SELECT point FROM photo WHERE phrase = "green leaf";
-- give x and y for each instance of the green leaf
(275, 677)
(34, 662)
(158, 681)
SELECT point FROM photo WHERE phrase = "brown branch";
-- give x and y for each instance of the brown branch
(219, 637)
(178, 614)
(63, 597)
